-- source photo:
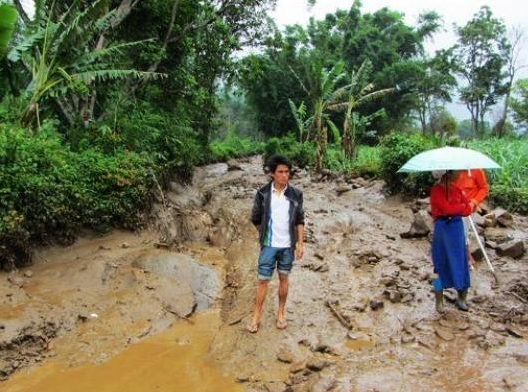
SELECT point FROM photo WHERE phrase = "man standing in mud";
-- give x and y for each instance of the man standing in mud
(278, 216)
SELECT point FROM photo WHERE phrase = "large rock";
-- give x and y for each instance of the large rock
(514, 249)
(504, 218)
(489, 220)
(496, 235)
(421, 226)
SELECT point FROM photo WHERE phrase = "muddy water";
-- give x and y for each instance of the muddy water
(175, 360)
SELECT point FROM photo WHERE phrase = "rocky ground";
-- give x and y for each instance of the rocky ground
(360, 309)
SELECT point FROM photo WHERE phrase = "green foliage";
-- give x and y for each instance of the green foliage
(509, 185)
(8, 16)
(396, 150)
(234, 146)
(301, 154)
(366, 164)
(480, 55)
(47, 191)
(519, 103)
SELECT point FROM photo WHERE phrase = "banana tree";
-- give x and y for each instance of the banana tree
(61, 63)
(319, 85)
(349, 98)
(8, 17)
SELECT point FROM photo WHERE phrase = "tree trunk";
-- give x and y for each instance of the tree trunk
(346, 142)
(319, 145)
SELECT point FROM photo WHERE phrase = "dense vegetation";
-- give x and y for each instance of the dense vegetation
(94, 112)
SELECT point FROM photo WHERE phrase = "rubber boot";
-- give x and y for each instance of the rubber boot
(439, 303)
(461, 301)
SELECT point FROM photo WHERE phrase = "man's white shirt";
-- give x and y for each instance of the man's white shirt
(279, 220)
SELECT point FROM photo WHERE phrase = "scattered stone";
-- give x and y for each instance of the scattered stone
(343, 189)
(407, 298)
(479, 220)
(241, 378)
(427, 342)
(463, 326)
(28, 274)
(298, 367)
(496, 235)
(421, 226)
(514, 249)
(504, 218)
(125, 245)
(514, 332)
(16, 281)
(324, 384)
(407, 338)
(444, 334)
(388, 281)
(233, 165)
(234, 321)
(319, 255)
(275, 386)
(489, 220)
(316, 365)
(395, 297)
(376, 304)
(285, 355)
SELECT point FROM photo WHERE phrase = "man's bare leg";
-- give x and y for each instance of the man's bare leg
(262, 289)
(283, 295)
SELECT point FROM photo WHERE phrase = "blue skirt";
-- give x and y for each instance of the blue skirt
(449, 253)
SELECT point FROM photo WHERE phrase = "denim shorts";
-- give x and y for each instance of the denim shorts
(269, 258)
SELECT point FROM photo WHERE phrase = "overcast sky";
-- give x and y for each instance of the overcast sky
(512, 12)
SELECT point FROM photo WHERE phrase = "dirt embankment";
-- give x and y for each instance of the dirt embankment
(360, 309)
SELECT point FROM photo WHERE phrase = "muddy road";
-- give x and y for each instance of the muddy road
(165, 309)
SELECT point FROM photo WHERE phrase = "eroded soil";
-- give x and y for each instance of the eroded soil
(116, 312)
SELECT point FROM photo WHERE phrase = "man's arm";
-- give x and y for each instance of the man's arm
(299, 246)
(256, 211)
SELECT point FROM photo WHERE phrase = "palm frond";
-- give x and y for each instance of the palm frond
(97, 55)
(338, 107)
(336, 135)
(374, 95)
(117, 74)
(80, 23)
(18, 51)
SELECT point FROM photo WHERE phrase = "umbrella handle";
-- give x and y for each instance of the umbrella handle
(480, 245)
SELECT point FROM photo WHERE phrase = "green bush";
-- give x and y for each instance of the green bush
(47, 191)
(398, 148)
(234, 146)
(366, 164)
(301, 154)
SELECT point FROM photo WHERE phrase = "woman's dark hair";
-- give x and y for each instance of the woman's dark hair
(277, 160)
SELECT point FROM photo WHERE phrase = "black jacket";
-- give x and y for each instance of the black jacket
(260, 214)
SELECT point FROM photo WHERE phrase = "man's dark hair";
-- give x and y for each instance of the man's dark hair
(277, 160)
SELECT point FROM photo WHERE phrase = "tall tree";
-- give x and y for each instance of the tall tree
(519, 103)
(481, 54)
(513, 66)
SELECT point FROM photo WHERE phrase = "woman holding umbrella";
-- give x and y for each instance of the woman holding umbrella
(448, 206)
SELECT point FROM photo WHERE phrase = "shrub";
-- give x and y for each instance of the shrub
(234, 146)
(47, 191)
(301, 154)
(366, 164)
(398, 148)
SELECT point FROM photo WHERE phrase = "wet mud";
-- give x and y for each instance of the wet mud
(127, 308)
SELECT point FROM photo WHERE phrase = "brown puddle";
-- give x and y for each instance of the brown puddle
(175, 360)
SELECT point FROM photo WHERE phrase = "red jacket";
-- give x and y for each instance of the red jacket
(474, 186)
(454, 203)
